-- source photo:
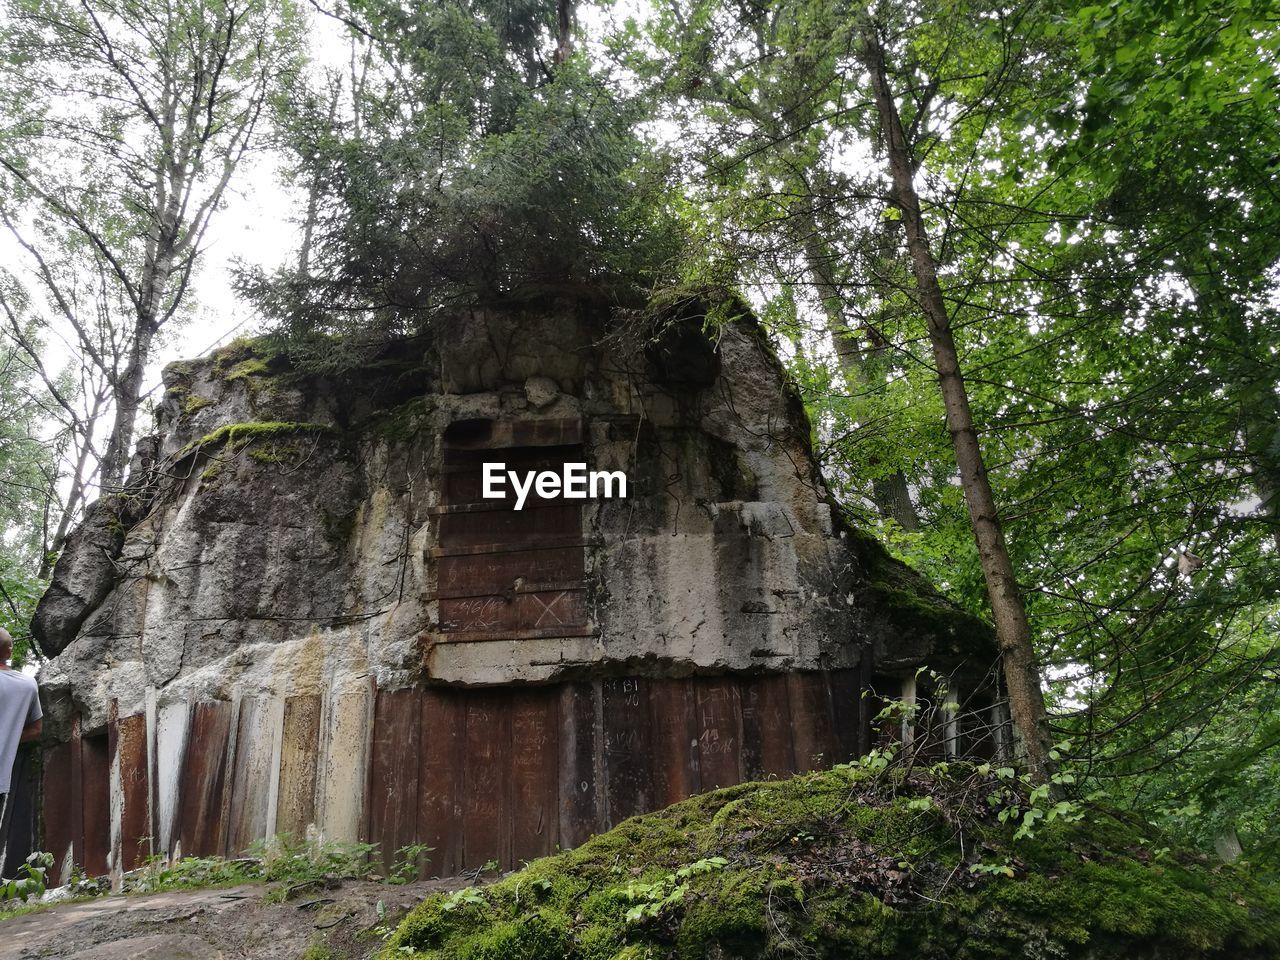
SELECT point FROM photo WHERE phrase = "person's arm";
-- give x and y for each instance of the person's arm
(35, 719)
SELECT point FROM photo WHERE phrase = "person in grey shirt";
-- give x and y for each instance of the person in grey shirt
(19, 713)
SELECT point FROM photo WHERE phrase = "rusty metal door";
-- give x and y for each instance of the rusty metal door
(503, 573)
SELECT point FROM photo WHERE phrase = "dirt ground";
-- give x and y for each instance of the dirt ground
(217, 924)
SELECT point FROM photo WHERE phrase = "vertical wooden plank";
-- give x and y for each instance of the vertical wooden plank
(810, 720)
(485, 817)
(252, 773)
(129, 758)
(675, 735)
(535, 754)
(172, 728)
(766, 728)
(628, 747)
(76, 800)
(201, 824)
(95, 765)
(344, 768)
(846, 710)
(149, 711)
(579, 794)
(719, 732)
(371, 704)
(299, 753)
(59, 803)
(440, 780)
(393, 777)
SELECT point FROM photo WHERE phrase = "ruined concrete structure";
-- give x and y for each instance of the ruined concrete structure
(302, 617)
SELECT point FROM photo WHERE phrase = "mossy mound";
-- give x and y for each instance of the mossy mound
(851, 863)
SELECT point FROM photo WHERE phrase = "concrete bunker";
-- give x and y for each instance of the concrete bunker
(303, 618)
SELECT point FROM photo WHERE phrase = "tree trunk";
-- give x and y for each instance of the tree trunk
(890, 494)
(127, 395)
(1022, 678)
(564, 27)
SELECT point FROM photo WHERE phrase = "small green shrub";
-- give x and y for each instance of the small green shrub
(31, 879)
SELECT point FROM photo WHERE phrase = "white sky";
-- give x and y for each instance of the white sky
(257, 226)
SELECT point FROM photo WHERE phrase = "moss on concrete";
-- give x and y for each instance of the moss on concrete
(193, 404)
(236, 435)
(916, 611)
(241, 351)
(253, 367)
(842, 864)
(401, 423)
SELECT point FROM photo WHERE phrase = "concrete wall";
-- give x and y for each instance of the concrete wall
(277, 558)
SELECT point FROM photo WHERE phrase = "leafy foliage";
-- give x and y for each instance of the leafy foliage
(468, 171)
(31, 883)
(26, 466)
(1101, 178)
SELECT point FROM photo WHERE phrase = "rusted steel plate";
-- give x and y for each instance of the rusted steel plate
(488, 550)
(129, 755)
(344, 767)
(535, 755)
(719, 732)
(560, 518)
(441, 736)
(477, 636)
(463, 472)
(95, 807)
(547, 610)
(173, 724)
(628, 747)
(766, 728)
(479, 434)
(466, 485)
(811, 723)
(76, 786)
(299, 755)
(497, 573)
(846, 710)
(485, 810)
(497, 774)
(580, 795)
(251, 776)
(202, 829)
(393, 774)
(675, 736)
(511, 547)
(60, 816)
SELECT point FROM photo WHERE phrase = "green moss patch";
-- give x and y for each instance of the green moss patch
(235, 435)
(193, 404)
(253, 367)
(850, 863)
(245, 356)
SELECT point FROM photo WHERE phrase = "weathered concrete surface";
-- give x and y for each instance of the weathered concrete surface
(293, 558)
(295, 551)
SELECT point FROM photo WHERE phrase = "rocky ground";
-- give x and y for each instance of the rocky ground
(249, 921)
